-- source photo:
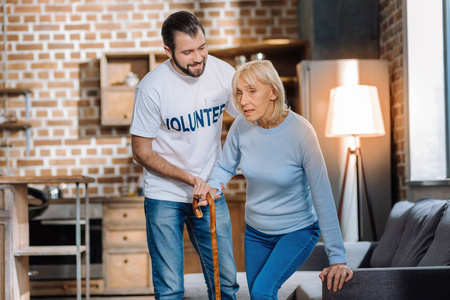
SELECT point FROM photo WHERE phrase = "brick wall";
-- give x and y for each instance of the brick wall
(53, 48)
(391, 49)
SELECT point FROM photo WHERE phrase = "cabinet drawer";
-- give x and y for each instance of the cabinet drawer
(129, 271)
(64, 287)
(124, 213)
(125, 237)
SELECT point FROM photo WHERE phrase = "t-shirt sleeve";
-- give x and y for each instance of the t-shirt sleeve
(229, 73)
(146, 119)
(231, 110)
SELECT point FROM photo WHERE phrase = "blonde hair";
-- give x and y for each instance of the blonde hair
(264, 72)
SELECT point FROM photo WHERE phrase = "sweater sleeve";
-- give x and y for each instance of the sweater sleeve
(323, 201)
(225, 168)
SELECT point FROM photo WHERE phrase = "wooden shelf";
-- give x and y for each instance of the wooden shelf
(289, 79)
(120, 87)
(117, 99)
(19, 125)
(14, 92)
(48, 250)
(267, 46)
(45, 179)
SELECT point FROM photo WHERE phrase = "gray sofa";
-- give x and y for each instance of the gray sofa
(411, 261)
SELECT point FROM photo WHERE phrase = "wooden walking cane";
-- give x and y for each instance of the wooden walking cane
(215, 252)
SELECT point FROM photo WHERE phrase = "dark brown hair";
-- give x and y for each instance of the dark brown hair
(181, 21)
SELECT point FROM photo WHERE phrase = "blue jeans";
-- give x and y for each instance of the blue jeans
(271, 259)
(165, 226)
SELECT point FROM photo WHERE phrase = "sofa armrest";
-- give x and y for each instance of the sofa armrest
(358, 254)
(394, 283)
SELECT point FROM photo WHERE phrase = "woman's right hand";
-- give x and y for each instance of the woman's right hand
(341, 274)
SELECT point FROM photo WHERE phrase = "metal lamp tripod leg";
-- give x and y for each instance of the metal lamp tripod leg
(368, 199)
(359, 164)
(341, 199)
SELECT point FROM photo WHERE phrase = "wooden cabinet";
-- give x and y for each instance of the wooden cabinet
(126, 262)
(236, 206)
(117, 98)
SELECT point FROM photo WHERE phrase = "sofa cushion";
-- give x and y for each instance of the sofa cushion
(388, 244)
(195, 286)
(439, 252)
(420, 228)
(309, 286)
(358, 253)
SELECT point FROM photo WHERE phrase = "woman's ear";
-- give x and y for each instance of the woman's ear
(274, 95)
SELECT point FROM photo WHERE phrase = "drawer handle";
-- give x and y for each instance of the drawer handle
(68, 286)
(125, 238)
(125, 261)
(125, 215)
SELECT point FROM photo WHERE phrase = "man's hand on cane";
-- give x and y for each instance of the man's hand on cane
(201, 188)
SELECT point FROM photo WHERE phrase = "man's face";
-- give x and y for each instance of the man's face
(189, 56)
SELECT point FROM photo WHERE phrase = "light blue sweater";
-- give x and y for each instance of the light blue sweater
(287, 181)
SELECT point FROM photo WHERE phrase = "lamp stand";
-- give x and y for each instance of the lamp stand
(359, 164)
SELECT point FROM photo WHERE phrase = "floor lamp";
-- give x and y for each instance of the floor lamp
(355, 111)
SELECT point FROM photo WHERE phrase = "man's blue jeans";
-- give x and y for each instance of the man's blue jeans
(271, 259)
(165, 225)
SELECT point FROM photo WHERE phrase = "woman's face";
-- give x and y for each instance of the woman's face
(257, 101)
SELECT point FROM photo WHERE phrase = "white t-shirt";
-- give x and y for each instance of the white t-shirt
(184, 115)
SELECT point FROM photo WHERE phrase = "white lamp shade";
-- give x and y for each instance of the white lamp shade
(354, 110)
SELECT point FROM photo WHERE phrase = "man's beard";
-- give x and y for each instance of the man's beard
(186, 70)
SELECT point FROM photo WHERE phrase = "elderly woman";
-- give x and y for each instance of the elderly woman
(289, 199)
